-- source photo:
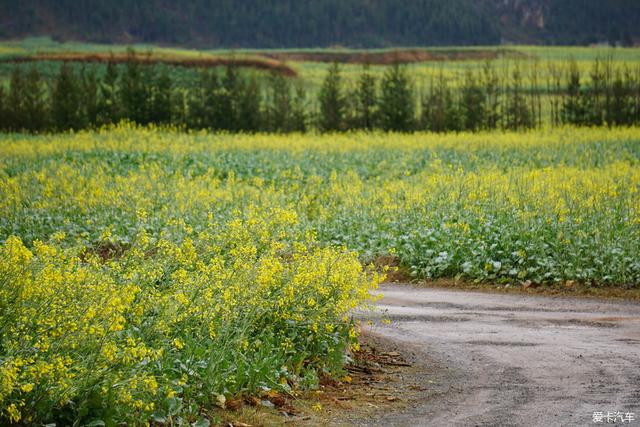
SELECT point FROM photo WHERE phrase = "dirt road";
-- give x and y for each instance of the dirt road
(502, 360)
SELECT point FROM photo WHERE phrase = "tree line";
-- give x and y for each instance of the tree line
(234, 100)
(253, 24)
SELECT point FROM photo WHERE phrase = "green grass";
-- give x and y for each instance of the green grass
(313, 72)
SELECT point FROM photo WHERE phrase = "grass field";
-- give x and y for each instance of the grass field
(311, 64)
(150, 275)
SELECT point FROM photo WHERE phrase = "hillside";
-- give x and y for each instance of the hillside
(565, 22)
(321, 23)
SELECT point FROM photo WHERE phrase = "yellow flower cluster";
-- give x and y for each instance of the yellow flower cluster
(169, 318)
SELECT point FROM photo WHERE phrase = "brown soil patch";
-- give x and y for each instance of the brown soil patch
(259, 63)
(105, 250)
(570, 289)
(395, 272)
(617, 319)
(377, 381)
(404, 56)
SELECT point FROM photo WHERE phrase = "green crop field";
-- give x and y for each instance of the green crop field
(149, 274)
(312, 72)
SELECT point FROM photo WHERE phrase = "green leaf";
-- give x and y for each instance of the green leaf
(202, 422)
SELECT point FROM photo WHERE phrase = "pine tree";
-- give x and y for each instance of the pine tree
(227, 99)
(249, 107)
(298, 117)
(89, 93)
(396, 104)
(196, 117)
(211, 109)
(636, 97)
(135, 93)
(596, 113)
(180, 107)
(149, 80)
(517, 112)
(554, 87)
(34, 102)
(439, 110)
(366, 101)
(4, 125)
(161, 98)
(571, 104)
(574, 108)
(332, 101)
(279, 104)
(210, 104)
(622, 102)
(535, 98)
(472, 105)
(16, 115)
(491, 85)
(66, 110)
(108, 107)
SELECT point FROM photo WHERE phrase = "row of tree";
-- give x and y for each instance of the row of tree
(237, 101)
(484, 99)
(76, 99)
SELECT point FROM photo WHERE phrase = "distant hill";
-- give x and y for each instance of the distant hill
(565, 22)
(323, 23)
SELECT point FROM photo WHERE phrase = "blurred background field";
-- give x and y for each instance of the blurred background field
(312, 64)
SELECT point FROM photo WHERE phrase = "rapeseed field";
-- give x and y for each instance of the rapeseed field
(146, 274)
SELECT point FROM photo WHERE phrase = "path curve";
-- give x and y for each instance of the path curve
(508, 359)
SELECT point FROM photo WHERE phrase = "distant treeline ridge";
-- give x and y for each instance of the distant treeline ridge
(324, 23)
